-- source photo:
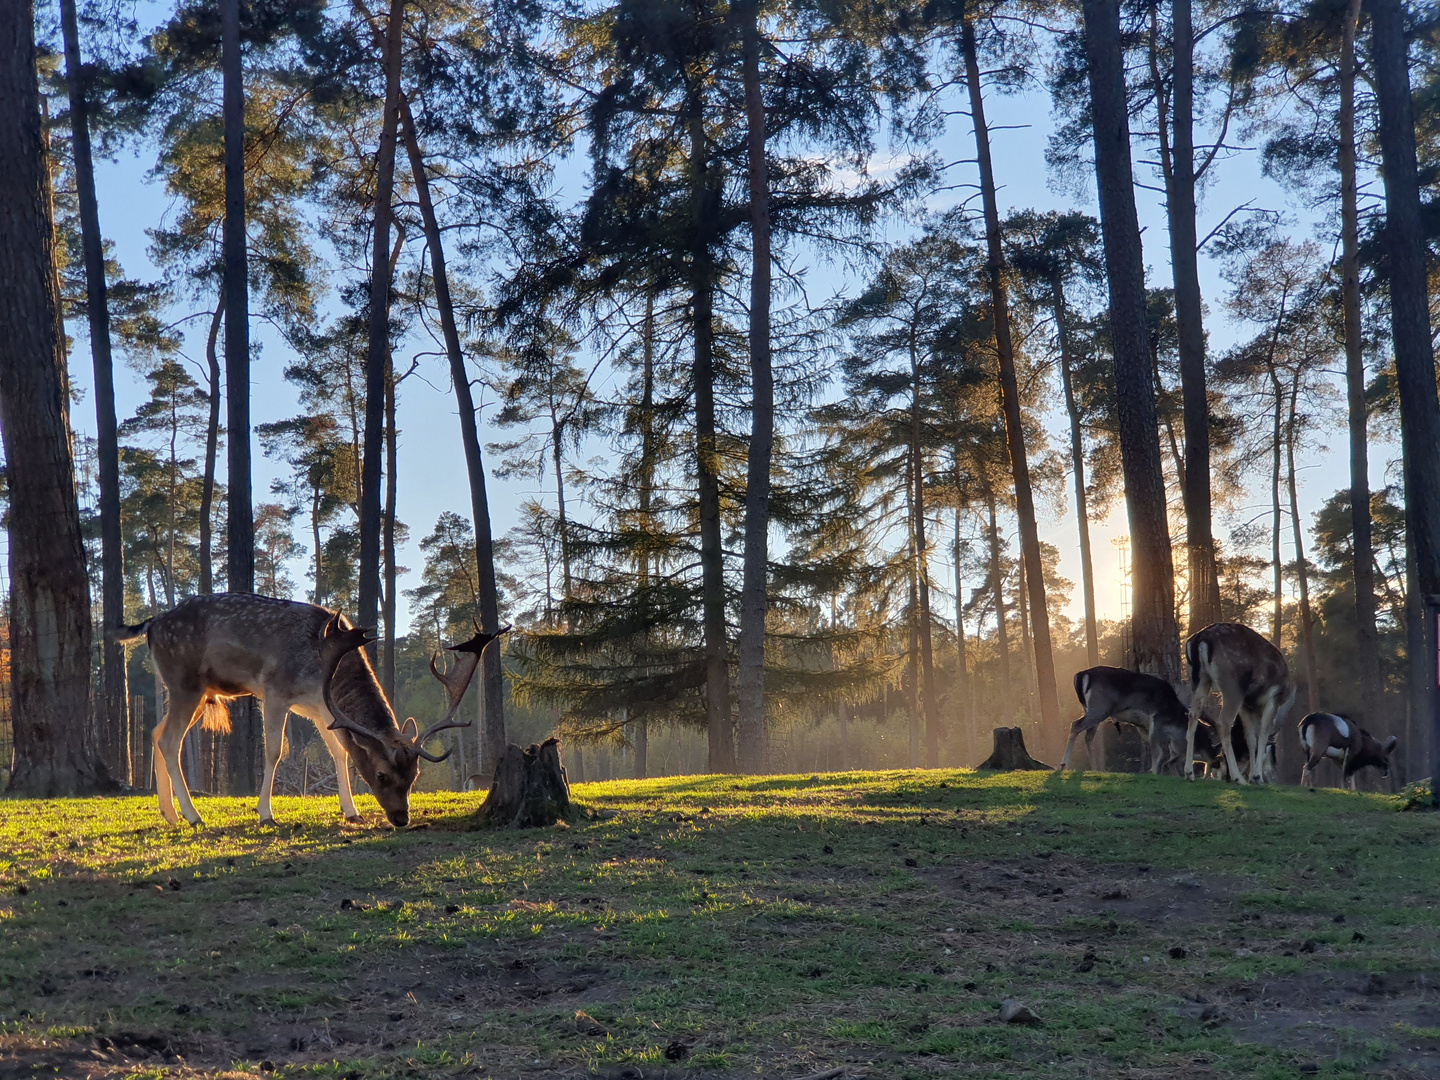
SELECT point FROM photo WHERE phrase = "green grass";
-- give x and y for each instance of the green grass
(768, 926)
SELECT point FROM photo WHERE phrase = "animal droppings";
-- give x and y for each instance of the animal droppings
(1177, 953)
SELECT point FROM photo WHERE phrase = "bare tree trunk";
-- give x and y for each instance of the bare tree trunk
(997, 586)
(1276, 559)
(750, 680)
(712, 566)
(1367, 641)
(912, 620)
(1154, 631)
(1189, 322)
(387, 644)
(378, 350)
(1077, 467)
(245, 743)
(114, 701)
(922, 571)
(965, 711)
(1307, 623)
(492, 698)
(1010, 391)
(1409, 312)
(319, 595)
(49, 586)
(212, 446)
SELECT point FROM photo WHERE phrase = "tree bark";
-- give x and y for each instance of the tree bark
(1154, 631)
(387, 644)
(492, 698)
(1409, 311)
(49, 585)
(1276, 558)
(1077, 467)
(750, 680)
(712, 566)
(1302, 573)
(530, 789)
(114, 700)
(922, 571)
(1189, 321)
(1009, 753)
(965, 712)
(1010, 391)
(212, 445)
(378, 349)
(1367, 640)
(997, 586)
(245, 743)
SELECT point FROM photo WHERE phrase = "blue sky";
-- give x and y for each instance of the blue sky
(431, 464)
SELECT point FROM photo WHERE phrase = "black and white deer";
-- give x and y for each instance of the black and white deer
(1328, 735)
(1144, 702)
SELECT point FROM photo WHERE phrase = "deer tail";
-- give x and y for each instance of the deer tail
(1192, 657)
(1080, 687)
(214, 716)
(122, 634)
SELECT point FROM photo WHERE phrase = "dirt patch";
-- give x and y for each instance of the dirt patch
(1047, 887)
(1333, 1013)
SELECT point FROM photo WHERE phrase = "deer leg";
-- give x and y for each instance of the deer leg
(1083, 724)
(1188, 768)
(342, 770)
(274, 715)
(169, 735)
(1228, 715)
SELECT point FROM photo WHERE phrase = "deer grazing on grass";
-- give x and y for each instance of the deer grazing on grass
(296, 658)
(1254, 685)
(1145, 702)
(1326, 735)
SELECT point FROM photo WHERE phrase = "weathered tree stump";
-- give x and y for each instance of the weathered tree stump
(529, 789)
(1010, 753)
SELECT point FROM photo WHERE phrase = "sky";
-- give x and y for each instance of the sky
(431, 462)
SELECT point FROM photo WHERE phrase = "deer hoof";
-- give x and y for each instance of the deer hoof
(266, 820)
(355, 819)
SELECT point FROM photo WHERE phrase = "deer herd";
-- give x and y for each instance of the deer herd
(1253, 681)
(305, 659)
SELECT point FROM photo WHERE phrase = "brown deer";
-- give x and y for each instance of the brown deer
(1327, 735)
(1254, 685)
(294, 657)
(1145, 702)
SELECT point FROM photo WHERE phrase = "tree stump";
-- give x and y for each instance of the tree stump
(529, 789)
(1010, 753)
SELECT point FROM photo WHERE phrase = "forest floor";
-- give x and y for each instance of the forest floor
(710, 928)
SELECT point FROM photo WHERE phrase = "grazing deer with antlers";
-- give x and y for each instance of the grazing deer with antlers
(1253, 681)
(298, 658)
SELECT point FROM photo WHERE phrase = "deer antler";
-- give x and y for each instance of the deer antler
(456, 681)
(335, 642)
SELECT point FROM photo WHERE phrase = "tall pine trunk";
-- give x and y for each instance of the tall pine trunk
(1154, 631)
(492, 736)
(931, 706)
(1077, 467)
(912, 620)
(1410, 323)
(49, 585)
(1367, 641)
(113, 702)
(1010, 390)
(212, 447)
(1302, 572)
(1277, 564)
(1180, 210)
(997, 587)
(712, 566)
(245, 745)
(387, 644)
(965, 711)
(750, 680)
(378, 349)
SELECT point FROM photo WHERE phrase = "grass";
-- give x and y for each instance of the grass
(770, 926)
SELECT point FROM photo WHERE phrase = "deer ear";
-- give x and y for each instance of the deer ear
(410, 728)
(1391, 743)
(332, 625)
